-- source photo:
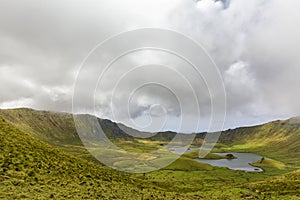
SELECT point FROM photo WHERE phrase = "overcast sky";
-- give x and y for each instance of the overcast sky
(254, 44)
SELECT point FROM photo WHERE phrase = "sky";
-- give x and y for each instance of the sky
(54, 56)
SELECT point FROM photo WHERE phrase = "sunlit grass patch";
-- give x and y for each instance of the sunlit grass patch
(269, 163)
(186, 164)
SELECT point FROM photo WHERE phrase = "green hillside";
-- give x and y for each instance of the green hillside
(58, 129)
(32, 169)
(279, 186)
(42, 157)
(279, 140)
(54, 128)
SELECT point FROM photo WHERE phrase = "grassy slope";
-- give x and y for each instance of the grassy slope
(195, 154)
(277, 140)
(32, 169)
(269, 163)
(286, 186)
(56, 129)
(186, 164)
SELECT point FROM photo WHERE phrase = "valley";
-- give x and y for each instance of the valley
(43, 157)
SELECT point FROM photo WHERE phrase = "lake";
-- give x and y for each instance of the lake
(240, 163)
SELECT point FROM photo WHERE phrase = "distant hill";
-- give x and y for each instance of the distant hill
(277, 139)
(59, 128)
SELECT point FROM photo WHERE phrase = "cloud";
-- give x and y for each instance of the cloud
(260, 34)
(238, 78)
(243, 94)
(254, 43)
(209, 6)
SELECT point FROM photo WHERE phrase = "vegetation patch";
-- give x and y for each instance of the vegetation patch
(269, 163)
(195, 154)
(41, 157)
(187, 164)
(33, 169)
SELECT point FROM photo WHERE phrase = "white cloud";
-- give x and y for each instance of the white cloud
(209, 6)
(254, 43)
(238, 76)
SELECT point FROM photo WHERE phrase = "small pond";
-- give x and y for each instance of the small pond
(242, 162)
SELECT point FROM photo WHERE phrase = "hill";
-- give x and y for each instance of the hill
(41, 157)
(58, 129)
(32, 169)
(278, 140)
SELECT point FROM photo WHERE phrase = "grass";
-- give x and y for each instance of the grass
(33, 169)
(269, 163)
(195, 154)
(216, 183)
(138, 146)
(278, 140)
(187, 164)
(286, 186)
(41, 157)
